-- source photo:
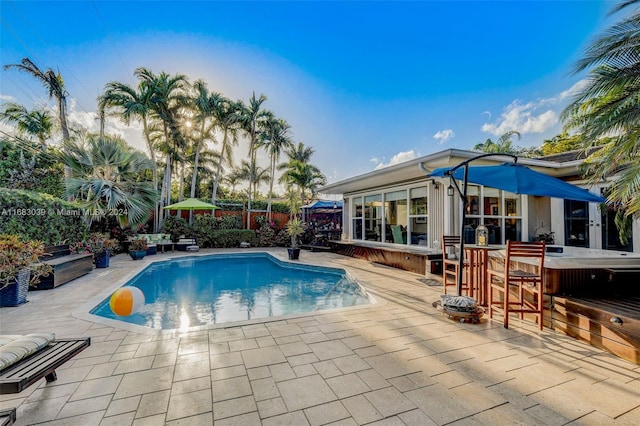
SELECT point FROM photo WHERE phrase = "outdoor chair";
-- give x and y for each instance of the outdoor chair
(398, 236)
(451, 265)
(517, 285)
(26, 359)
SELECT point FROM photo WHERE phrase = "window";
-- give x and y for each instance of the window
(397, 216)
(356, 215)
(500, 213)
(373, 217)
(417, 232)
(576, 223)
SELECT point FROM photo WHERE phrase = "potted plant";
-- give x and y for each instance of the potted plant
(101, 246)
(138, 248)
(19, 266)
(295, 228)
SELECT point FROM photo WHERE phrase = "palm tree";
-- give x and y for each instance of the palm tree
(606, 109)
(254, 174)
(300, 152)
(232, 179)
(53, 83)
(305, 176)
(504, 144)
(227, 115)
(205, 104)
(105, 178)
(276, 139)
(37, 123)
(133, 104)
(169, 96)
(250, 118)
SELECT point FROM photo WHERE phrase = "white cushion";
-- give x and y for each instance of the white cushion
(22, 346)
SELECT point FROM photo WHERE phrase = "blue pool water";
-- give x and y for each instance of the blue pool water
(193, 291)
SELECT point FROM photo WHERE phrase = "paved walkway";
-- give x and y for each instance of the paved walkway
(397, 362)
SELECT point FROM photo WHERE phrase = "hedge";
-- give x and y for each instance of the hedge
(38, 216)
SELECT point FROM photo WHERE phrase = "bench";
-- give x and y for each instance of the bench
(7, 417)
(65, 269)
(19, 376)
(187, 244)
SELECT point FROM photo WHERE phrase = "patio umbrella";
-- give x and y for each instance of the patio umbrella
(191, 204)
(519, 179)
(510, 177)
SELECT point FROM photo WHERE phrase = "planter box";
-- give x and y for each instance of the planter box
(16, 294)
(65, 269)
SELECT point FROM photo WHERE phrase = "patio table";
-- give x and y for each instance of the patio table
(478, 262)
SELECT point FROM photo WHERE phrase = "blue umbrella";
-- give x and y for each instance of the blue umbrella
(519, 179)
(510, 177)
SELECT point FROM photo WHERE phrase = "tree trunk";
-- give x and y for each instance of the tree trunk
(217, 178)
(273, 170)
(154, 169)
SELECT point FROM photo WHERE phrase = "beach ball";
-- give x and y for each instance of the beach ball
(126, 301)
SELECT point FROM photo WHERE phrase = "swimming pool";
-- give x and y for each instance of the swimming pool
(204, 290)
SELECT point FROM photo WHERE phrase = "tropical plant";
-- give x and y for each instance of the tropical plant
(204, 104)
(306, 177)
(503, 145)
(106, 179)
(133, 103)
(175, 226)
(228, 117)
(53, 83)
(138, 244)
(36, 123)
(250, 118)
(16, 255)
(606, 109)
(295, 228)
(168, 98)
(50, 220)
(275, 139)
(253, 174)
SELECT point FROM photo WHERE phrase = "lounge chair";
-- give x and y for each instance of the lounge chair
(26, 359)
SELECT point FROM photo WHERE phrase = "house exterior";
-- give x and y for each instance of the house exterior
(400, 207)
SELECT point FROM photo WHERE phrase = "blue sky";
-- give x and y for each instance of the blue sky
(365, 84)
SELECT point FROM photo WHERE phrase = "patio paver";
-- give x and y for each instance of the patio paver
(395, 362)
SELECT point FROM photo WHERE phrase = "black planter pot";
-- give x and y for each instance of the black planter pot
(294, 253)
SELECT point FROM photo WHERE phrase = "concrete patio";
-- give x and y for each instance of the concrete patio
(398, 361)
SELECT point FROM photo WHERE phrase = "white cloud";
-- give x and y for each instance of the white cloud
(400, 157)
(444, 135)
(7, 98)
(573, 90)
(524, 118)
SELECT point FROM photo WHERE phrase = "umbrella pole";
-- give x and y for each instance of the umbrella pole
(463, 217)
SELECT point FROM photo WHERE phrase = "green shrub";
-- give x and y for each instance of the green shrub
(43, 217)
(230, 221)
(203, 228)
(175, 226)
(227, 238)
(25, 166)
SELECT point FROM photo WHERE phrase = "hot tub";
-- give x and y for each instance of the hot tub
(577, 271)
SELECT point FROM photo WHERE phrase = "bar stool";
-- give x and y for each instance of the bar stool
(451, 264)
(513, 289)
